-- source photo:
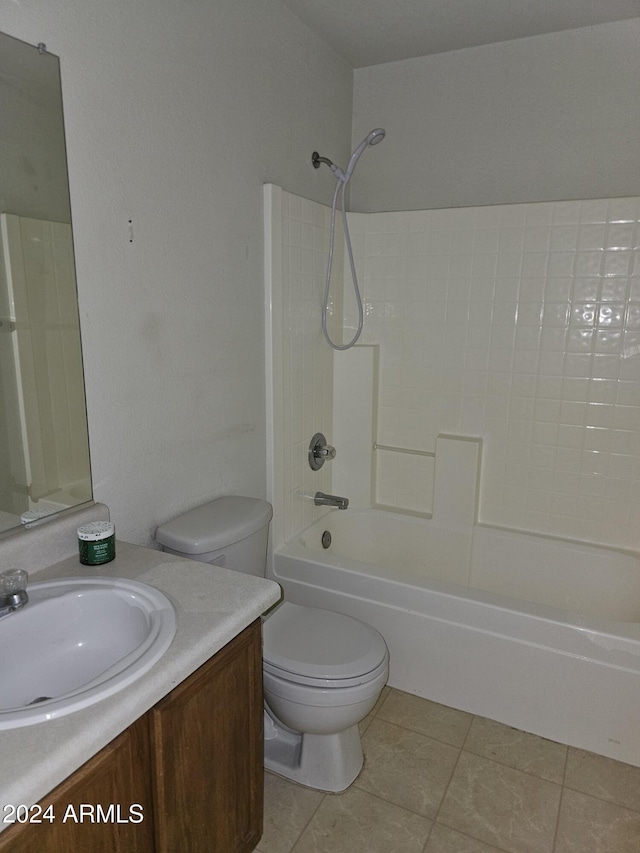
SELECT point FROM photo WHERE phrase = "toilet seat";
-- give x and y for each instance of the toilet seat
(305, 645)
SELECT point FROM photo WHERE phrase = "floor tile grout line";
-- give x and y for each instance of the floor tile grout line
(470, 837)
(566, 765)
(609, 802)
(419, 732)
(392, 803)
(308, 823)
(562, 790)
(557, 826)
(511, 767)
(311, 816)
(446, 788)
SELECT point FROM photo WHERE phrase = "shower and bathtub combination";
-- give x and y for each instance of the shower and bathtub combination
(558, 655)
(540, 631)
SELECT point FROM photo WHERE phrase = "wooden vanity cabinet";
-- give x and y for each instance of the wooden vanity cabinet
(118, 774)
(207, 754)
(193, 764)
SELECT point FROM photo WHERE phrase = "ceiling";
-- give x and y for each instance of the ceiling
(370, 32)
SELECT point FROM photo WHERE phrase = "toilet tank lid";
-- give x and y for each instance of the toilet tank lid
(215, 525)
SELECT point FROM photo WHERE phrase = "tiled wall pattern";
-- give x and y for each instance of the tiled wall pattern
(519, 324)
(302, 372)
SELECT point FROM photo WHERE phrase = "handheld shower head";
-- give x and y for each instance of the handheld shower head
(376, 136)
(372, 138)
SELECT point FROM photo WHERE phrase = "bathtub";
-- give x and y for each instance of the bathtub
(538, 633)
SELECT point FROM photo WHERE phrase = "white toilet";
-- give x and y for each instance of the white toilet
(322, 671)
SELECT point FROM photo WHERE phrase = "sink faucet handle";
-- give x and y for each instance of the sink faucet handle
(13, 580)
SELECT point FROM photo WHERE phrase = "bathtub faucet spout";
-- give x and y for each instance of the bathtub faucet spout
(320, 499)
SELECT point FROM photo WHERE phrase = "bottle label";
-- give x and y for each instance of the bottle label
(96, 553)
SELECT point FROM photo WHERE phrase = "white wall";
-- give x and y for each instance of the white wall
(176, 114)
(545, 118)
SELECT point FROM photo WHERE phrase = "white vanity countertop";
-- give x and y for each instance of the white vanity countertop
(213, 605)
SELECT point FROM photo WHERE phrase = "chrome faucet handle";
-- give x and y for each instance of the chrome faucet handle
(320, 451)
(12, 581)
(326, 452)
(13, 590)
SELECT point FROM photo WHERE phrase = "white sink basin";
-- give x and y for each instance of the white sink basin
(77, 641)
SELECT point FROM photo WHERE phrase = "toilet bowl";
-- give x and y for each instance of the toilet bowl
(322, 674)
(322, 671)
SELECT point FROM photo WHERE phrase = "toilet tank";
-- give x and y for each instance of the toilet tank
(231, 531)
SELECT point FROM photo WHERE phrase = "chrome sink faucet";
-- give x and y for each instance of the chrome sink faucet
(13, 591)
(320, 499)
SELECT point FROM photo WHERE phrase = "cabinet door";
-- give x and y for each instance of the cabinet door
(117, 781)
(206, 745)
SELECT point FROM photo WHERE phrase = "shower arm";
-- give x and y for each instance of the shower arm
(316, 159)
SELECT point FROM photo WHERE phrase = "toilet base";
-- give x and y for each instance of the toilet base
(324, 762)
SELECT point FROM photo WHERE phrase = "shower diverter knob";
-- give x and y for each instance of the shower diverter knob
(320, 451)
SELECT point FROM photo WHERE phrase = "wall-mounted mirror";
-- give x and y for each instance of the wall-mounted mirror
(44, 446)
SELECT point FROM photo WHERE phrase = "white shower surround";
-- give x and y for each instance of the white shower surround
(519, 325)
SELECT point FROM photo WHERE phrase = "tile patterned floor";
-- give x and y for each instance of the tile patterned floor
(437, 780)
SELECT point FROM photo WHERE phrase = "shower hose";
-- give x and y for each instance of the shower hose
(340, 189)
